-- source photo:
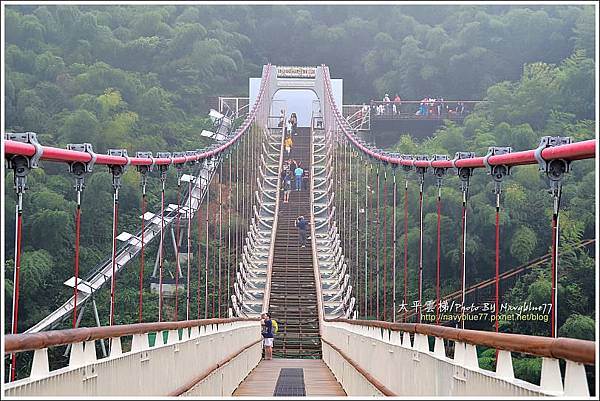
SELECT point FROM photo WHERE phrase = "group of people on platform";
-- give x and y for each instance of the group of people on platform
(428, 106)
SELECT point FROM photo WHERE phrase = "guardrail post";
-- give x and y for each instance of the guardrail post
(504, 365)
(551, 379)
(40, 367)
(76, 358)
(438, 349)
(576, 380)
(140, 342)
(115, 347)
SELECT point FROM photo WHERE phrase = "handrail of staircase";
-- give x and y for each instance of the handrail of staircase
(267, 296)
(571, 349)
(33, 341)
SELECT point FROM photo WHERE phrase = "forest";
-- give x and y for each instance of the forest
(140, 77)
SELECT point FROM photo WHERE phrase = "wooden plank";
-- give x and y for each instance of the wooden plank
(318, 379)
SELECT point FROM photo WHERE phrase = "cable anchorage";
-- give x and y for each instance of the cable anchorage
(78, 168)
(144, 169)
(555, 169)
(439, 172)
(497, 171)
(117, 170)
(22, 165)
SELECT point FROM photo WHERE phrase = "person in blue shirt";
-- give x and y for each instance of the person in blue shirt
(302, 225)
(267, 333)
(298, 173)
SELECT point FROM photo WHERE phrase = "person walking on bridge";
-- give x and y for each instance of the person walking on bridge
(298, 173)
(288, 144)
(302, 226)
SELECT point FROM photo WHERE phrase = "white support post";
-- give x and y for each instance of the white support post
(438, 349)
(195, 333)
(40, 367)
(140, 342)
(504, 366)
(185, 335)
(406, 340)
(551, 379)
(173, 337)
(115, 347)
(76, 358)
(90, 352)
(576, 380)
(396, 338)
(471, 361)
(459, 353)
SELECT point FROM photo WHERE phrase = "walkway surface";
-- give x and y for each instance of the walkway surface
(293, 301)
(318, 379)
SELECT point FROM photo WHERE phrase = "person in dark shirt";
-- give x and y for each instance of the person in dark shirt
(267, 333)
(302, 226)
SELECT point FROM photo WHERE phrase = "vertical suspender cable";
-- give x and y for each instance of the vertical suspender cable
(420, 249)
(220, 244)
(189, 250)
(113, 281)
(199, 224)
(162, 240)
(238, 240)
(394, 251)
(77, 235)
(15, 309)
(177, 267)
(555, 238)
(405, 245)
(142, 255)
(463, 249)
(366, 236)
(213, 291)
(357, 233)
(497, 255)
(208, 181)
(384, 244)
(229, 269)
(437, 279)
(378, 247)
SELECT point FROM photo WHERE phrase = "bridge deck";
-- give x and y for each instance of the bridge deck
(318, 379)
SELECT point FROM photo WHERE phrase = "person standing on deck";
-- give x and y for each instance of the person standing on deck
(267, 333)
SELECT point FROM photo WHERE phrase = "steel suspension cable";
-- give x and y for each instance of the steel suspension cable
(161, 246)
(177, 234)
(366, 236)
(209, 181)
(420, 247)
(394, 250)
(463, 248)
(554, 260)
(405, 246)
(143, 207)
(378, 247)
(16, 276)
(437, 280)
(199, 225)
(189, 250)
(497, 279)
(384, 244)
(238, 241)
(77, 235)
(220, 244)
(114, 254)
(230, 271)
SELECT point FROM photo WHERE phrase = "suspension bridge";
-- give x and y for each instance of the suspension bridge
(341, 330)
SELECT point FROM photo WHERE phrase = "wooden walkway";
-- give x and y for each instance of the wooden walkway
(318, 379)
